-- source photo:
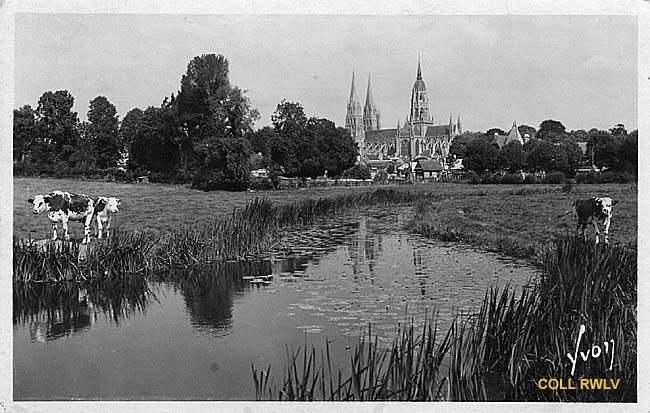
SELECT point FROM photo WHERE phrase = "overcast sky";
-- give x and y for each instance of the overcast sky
(581, 70)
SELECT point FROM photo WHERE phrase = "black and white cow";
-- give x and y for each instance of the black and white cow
(63, 207)
(593, 211)
(105, 207)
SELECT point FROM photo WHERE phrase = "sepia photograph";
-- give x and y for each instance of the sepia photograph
(324, 207)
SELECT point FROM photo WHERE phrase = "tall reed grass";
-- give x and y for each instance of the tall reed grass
(500, 352)
(248, 232)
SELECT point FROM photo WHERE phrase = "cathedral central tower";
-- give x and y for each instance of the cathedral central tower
(419, 100)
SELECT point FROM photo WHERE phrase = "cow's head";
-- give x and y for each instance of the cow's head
(605, 205)
(39, 203)
(112, 204)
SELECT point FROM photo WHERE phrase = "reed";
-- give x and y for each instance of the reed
(501, 351)
(249, 231)
(408, 370)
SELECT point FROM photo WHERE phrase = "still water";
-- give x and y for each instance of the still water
(197, 338)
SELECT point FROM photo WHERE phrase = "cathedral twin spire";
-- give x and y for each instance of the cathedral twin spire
(369, 118)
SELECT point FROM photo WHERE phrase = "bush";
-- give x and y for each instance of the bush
(555, 178)
(587, 178)
(512, 179)
(261, 184)
(492, 179)
(612, 177)
(358, 171)
(473, 178)
(530, 179)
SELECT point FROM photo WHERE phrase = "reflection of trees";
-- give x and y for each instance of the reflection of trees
(208, 291)
(62, 309)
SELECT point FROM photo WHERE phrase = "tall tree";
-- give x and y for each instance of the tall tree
(154, 146)
(205, 88)
(24, 132)
(551, 130)
(618, 130)
(104, 134)
(57, 125)
(129, 127)
(512, 157)
(480, 156)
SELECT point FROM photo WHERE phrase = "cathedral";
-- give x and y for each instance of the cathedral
(418, 137)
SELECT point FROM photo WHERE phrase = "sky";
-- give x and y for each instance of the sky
(492, 70)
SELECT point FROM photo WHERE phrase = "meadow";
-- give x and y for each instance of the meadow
(526, 212)
(497, 353)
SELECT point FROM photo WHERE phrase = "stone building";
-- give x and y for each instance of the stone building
(418, 137)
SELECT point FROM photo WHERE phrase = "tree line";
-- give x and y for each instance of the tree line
(551, 148)
(203, 134)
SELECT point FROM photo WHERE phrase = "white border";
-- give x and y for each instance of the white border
(329, 7)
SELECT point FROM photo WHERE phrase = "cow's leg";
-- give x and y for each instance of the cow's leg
(597, 231)
(87, 222)
(64, 224)
(108, 226)
(53, 231)
(606, 230)
(99, 227)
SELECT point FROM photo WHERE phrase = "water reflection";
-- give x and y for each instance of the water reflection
(208, 292)
(53, 311)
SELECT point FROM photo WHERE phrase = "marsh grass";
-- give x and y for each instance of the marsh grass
(501, 351)
(408, 370)
(248, 232)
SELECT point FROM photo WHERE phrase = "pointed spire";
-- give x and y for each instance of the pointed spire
(353, 91)
(398, 125)
(419, 77)
(369, 100)
(459, 128)
(450, 121)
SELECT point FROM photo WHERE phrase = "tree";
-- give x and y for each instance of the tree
(335, 150)
(525, 129)
(551, 130)
(480, 156)
(574, 156)
(618, 130)
(104, 135)
(226, 166)
(84, 153)
(154, 146)
(604, 148)
(459, 143)
(25, 134)
(129, 127)
(628, 154)
(547, 156)
(492, 131)
(57, 126)
(512, 157)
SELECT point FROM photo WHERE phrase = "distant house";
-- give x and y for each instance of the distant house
(512, 136)
(428, 169)
(260, 173)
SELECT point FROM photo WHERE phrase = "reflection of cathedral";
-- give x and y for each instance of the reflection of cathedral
(418, 137)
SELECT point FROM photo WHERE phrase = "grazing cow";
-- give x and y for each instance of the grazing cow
(63, 207)
(104, 210)
(591, 211)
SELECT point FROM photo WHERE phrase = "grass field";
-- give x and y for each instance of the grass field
(524, 212)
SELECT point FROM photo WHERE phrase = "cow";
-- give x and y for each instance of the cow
(105, 207)
(63, 207)
(592, 211)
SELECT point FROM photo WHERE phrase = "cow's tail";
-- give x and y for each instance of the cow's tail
(573, 206)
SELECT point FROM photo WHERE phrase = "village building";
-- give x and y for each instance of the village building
(512, 136)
